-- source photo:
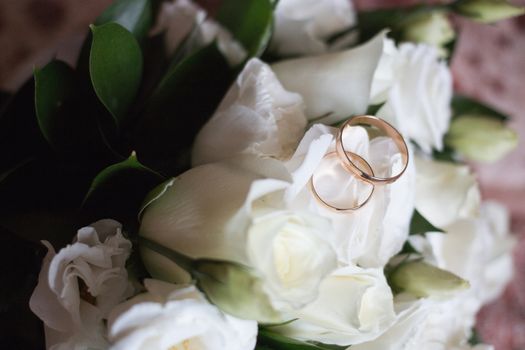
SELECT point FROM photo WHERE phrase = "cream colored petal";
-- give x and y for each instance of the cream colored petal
(334, 86)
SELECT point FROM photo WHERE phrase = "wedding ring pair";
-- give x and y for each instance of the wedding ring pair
(359, 167)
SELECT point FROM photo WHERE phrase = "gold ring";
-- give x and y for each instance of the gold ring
(334, 208)
(389, 130)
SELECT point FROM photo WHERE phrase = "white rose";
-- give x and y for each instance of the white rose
(257, 116)
(417, 89)
(79, 286)
(170, 317)
(335, 85)
(354, 305)
(445, 191)
(371, 235)
(302, 27)
(479, 250)
(182, 18)
(428, 324)
(223, 211)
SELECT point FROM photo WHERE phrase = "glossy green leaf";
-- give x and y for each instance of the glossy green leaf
(54, 85)
(118, 190)
(115, 67)
(250, 22)
(183, 101)
(275, 341)
(465, 105)
(134, 15)
(420, 225)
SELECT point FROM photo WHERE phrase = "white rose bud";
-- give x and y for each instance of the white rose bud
(334, 85)
(179, 19)
(488, 11)
(423, 280)
(303, 26)
(177, 317)
(257, 116)
(432, 28)
(482, 139)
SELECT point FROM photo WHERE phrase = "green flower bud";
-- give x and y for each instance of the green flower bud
(236, 290)
(424, 280)
(488, 11)
(232, 287)
(480, 138)
(431, 28)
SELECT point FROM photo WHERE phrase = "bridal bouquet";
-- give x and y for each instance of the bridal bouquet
(283, 175)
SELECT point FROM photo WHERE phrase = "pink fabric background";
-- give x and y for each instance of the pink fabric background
(489, 65)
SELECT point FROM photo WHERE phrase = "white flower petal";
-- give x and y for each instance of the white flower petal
(334, 86)
(354, 305)
(257, 116)
(445, 191)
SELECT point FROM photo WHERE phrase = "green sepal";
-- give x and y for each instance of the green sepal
(419, 225)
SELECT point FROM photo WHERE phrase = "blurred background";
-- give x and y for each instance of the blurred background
(489, 65)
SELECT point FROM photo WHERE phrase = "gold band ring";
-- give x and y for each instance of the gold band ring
(321, 201)
(366, 174)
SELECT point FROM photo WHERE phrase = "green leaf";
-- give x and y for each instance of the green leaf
(134, 15)
(420, 225)
(280, 342)
(250, 22)
(407, 249)
(118, 190)
(466, 105)
(115, 66)
(54, 85)
(181, 104)
(447, 154)
(475, 338)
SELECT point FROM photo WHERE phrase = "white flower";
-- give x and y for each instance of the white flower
(79, 286)
(302, 27)
(228, 211)
(177, 317)
(417, 89)
(354, 305)
(257, 116)
(336, 85)
(428, 324)
(371, 235)
(182, 18)
(479, 250)
(445, 191)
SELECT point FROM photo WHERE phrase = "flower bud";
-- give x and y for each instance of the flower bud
(424, 280)
(480, 138)
(488, 11)
(432, 28)
(236, 290)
